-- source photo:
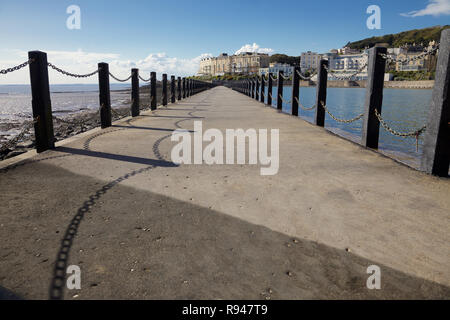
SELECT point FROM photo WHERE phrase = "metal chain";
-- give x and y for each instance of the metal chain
(303, 107)
(345, 77)
(341, 120)
(77, 122)
(420, 56)
(145, 80)
(305, 78)
(287, 102)
(15, 68)
(118, 114)
(284, 77)
(12, 143)
(415, 133)
(72, 74)
(120, 80)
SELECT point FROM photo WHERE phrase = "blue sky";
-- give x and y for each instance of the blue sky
(173, 34)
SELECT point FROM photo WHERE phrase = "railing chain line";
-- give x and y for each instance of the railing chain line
(145, 80)
(12, 143)
(121, 80)
(285, 101)
(303, 107)
(394, 132)
(72, 74)
(341, 120)
(15, 68)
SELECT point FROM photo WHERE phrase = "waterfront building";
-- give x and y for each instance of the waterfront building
(309, 61)
(247, 63)
(273, 68)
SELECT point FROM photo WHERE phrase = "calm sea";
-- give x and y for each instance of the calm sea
(404, 110)
(15, 100)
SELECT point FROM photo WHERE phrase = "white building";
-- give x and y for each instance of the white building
(309, 61)
(287, 69)
(349, 62)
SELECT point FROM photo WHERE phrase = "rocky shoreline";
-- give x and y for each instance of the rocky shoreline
(65, 127)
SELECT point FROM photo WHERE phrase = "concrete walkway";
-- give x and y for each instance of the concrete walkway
(112, 202)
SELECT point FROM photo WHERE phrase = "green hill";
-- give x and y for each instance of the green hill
(282, 58)
(396, 40)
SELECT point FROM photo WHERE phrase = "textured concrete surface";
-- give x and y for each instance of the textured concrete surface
(141, 228)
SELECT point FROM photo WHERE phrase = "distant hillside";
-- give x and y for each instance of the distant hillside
(396, 40)
(282, 58)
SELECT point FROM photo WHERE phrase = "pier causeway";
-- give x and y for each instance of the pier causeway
(111, 201)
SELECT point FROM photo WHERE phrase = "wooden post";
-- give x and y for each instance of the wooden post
(321, 93)
(253, 88)
(184, 88)
(164, 89)
(187, 87)
(263, 88)
(295, 91)
(153, 91)
(269, 89)
(172, 89)
(257, 89)
(374, 97)
(134, 92)
(105, 96)
(280, 91)
(41, 103)
(179, 88)
(436, 149)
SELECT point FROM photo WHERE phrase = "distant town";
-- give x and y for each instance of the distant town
(409, 57)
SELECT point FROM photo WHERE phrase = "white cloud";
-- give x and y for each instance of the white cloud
(434, 8)
(82, 62)
(253, 48)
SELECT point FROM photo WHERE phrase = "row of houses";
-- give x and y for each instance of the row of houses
(343, 61)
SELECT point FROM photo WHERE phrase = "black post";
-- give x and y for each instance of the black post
(295, 91)
(105, 97)
(179, 88)
(253, 88)
(257, 89)
(172, 89)
(153, 90)
(164, 89)
(187, 87)
(184, 88)
(280, 91)
(134, 92)
(263, 88)
(321, 93)
(269, 89)
(436, 149)
(41, 103)
(374, 97)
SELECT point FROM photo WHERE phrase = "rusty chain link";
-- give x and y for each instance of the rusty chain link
(341, 120)
(303, 107)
